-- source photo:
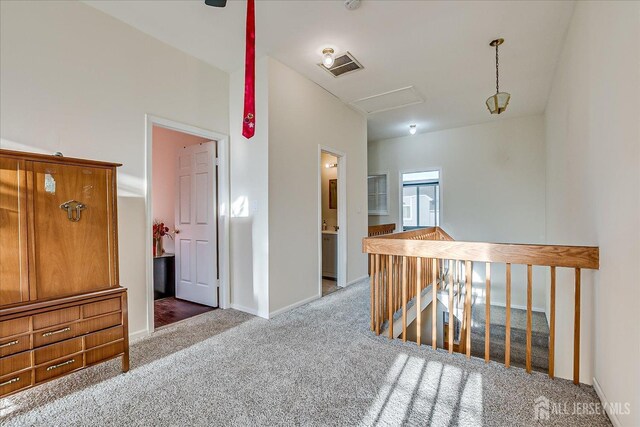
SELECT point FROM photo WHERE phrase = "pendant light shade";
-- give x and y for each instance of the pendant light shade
(498, 103)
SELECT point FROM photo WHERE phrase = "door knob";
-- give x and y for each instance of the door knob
(177, 231)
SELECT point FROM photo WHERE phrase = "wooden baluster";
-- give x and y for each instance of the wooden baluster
(487, 313)
(418, 302)
(372, 281)
(451, 316)
(529, 315)
(395, 284)
(404, 298)
(576, 331)
(552, 324)
(434, 304)
(383, 294)
(507, 337)
(413, 277)
(377, 294)
(467, 306)
(390, 286)
(398, 282)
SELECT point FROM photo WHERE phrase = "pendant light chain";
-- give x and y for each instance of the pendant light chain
(498, 102)
(497, 87)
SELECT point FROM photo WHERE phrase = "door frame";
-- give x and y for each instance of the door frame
(342, 215)
(223, 183)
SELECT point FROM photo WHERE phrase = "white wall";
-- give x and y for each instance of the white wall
(303, 116)
(329, 215)
(249, 179)
(166, 143)
(593, 193)
(75, 80)
(492, 188)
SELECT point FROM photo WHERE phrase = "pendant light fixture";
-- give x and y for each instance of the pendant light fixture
(498, 103)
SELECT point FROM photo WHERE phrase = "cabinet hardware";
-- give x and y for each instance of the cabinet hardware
(9, 344)
(11, 381)
(48, 334)
(59, 365)
(71, 206)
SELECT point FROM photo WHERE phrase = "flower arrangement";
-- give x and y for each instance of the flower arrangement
(159, 231)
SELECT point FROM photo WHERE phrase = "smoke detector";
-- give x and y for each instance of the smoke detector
(352, 4)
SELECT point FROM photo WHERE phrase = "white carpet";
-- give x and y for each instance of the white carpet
(316, 365)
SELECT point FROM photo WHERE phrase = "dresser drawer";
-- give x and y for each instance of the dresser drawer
(14, 327)
(101, 307)
(102, 322)
(105, 352)
(14, 345)
(103, 337)
(15, 382)
(56, 334)
(56, 317)
(14, 363)
(58, 350)
(58, 368)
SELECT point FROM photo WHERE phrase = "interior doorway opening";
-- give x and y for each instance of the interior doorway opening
(185, 225)
(332, 220)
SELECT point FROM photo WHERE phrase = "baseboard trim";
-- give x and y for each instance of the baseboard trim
(519, 307)
(292, 306)
(138, 335)
(249, 310)
(358, 280)
(612, 416)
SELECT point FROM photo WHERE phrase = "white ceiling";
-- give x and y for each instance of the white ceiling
(440, 48)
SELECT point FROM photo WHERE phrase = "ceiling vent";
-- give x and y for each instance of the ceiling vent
(389, 100)
(343, 64)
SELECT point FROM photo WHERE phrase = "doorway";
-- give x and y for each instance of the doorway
(187, 226)
(332, 221)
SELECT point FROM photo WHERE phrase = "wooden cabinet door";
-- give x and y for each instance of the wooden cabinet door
(14, 277)
(72, 252)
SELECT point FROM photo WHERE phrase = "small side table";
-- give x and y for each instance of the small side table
(164, 276)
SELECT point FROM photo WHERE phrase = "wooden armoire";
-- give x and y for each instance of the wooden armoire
(61, 305)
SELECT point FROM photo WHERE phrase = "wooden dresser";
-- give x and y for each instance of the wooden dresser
(61, 305)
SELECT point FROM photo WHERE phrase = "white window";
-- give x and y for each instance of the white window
(420, 199)
(377, 192)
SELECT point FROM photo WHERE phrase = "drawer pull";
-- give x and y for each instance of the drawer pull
(48, 334)
(11, 381)
(59, 365)
(9, 344)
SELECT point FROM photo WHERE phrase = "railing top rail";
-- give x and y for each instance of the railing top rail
(543, 255)
(409, 234)
(381, 229)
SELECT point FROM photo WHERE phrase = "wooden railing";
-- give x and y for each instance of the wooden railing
(381, 229)
(403, 265)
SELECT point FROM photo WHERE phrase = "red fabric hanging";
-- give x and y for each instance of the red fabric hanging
(249, 117)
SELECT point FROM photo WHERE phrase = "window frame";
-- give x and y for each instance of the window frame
(439, 181)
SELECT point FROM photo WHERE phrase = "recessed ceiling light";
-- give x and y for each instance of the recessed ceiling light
(412, 129)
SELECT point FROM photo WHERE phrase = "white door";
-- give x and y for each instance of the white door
(196, 247)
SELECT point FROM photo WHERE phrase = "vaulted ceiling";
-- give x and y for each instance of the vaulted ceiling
(440, 48)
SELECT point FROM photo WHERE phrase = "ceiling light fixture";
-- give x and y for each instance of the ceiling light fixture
(412, 129)
(497, 103)
(327, 57)
(330, 165)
